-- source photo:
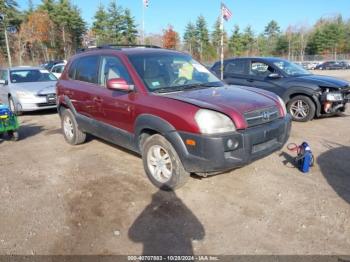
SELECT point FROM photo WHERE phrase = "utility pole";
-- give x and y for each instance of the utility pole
(2, 20)
(222, 43)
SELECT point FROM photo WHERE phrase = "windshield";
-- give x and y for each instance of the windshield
(291, 69)
(31, 75)
(169, 72)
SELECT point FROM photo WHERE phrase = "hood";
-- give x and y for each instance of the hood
(233, 101)
(39, 88)
(325, 81)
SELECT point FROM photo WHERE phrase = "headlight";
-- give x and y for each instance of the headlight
(332, 97)
(283, 105)
(212, 122)
(23, 94)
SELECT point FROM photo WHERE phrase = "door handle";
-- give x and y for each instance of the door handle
(97, 99)
(250, 80)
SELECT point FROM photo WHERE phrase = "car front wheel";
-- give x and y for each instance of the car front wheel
(301, 108)
(162, 164)
(71, 132)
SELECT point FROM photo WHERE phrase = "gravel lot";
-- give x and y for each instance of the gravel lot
(96, 199)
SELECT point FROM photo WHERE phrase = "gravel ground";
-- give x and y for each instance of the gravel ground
(95, 198)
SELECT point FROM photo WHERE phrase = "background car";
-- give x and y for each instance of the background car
(49, 64)
(58, 69)
(27, 88)
(306, 95)
(331, 65)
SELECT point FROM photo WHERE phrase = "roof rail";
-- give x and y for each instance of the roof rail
(127, 46)
(114, 46)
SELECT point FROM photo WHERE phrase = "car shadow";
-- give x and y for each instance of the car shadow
(29, 130)
(335, 167)
(166, 226)
(40, 112)
(90, 138)
(109, 214)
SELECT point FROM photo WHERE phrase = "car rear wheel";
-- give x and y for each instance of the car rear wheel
(301, 108)
(162, 164)
(71, 132)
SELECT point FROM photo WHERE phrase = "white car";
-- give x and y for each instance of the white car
(57, 70)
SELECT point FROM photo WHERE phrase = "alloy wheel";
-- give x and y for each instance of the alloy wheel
(159, 163)
(68, 127)
(299, 109)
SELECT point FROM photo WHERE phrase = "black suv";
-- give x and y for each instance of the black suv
(306, 95)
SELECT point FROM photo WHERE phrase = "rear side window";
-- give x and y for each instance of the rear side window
(86, 69)
(235, 67)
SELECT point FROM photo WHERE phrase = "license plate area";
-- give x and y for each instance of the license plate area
(51, 99)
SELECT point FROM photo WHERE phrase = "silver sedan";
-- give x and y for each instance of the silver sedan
(27, 89)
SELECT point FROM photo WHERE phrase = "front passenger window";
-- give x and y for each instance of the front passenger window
(260, 69)
(112, 67)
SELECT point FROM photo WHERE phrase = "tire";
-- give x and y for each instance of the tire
(301, 108)
(13, 107)
(172, 174)
(70, 129)
(14, 135)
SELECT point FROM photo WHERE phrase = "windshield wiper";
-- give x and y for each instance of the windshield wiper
(187, 87)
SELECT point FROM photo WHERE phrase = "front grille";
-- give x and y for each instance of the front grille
(261, 116)
(50, 100)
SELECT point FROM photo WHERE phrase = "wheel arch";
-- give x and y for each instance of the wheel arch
(66, 104)
(147, 125)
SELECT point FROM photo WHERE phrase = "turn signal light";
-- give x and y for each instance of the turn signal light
(190, 142)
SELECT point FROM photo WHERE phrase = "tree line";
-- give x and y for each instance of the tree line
(328, 37)
(55, 29)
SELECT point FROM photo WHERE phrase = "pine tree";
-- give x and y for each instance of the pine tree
(100, 25)
(202, 34)
(248, 40)
(235, 42)
(189, 37)
(116, 22)
(130, 31)
(216, 37)
(272, 29)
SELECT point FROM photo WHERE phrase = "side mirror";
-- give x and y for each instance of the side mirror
(3, 82)
(119, 84)
(274, 76)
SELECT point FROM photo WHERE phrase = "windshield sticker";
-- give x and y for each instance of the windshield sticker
(155, 83)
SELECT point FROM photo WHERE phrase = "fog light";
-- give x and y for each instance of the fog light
(232, 144)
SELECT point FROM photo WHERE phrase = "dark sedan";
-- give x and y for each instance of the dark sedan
(306, 95)
(332, 65)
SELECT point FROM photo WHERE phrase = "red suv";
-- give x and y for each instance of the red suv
(170, 109)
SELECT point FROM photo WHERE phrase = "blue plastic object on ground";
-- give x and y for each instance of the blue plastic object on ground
(305, 158)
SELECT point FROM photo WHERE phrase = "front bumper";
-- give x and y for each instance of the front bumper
(212, 153)
(36, 103)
